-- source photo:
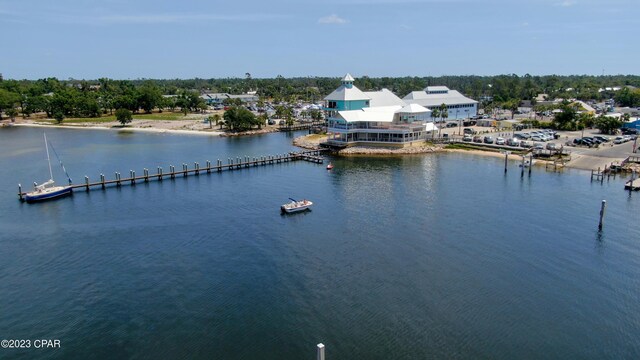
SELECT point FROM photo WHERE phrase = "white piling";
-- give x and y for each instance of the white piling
(320, 352)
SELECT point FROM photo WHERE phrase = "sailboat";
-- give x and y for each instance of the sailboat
(46, 190)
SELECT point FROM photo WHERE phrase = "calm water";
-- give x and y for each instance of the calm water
(401, 258)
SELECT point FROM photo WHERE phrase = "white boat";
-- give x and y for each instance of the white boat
(296, 206)
(330, 166)
(46, 190)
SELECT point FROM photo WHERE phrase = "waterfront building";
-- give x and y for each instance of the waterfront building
(374, 118)
(458, 105)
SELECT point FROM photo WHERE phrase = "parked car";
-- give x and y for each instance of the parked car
(488, 140)
(513, 142)
(467, 138)
(602, 138)
(451, 125)
(500, 141)
(630, 131)
(477, 139)
(526, 144)
(469, 131)
(618, 140)
(523, 136)
(538, 146)
(552, 146)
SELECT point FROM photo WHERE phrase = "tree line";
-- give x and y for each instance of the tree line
(93, 98)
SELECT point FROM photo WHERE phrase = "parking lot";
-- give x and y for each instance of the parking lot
(582, 156)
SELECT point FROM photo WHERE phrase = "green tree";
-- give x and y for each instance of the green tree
(239, 118)
(565, 120)
(608, 124)
(12, 112)
(8, 99)
(124, 116)
(59, 116)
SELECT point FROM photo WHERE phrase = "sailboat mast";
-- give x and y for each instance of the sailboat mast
(46, 146)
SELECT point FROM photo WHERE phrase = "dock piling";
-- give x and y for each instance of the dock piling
(102, 180)
(146, 174)
(603, 207)
(86, 182)
(522, 167)
(531, 163)
(197, 168)
(172, 172)
(208, 167)
(159, 173)
(20, 192)
(320, 355)
(117, 178)
(132, 175)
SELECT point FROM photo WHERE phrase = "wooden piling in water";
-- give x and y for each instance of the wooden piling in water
(86, 182)
(208, 167)
(146, 174)
(531, 163)
(159, 173)
(172, 172)
(132, 175)
(20, 192)
(603, 207)
(102, 180)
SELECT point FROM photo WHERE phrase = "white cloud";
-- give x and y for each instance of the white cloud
(567, 3)
(332, 19)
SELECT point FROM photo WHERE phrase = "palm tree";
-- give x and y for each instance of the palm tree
(435, 113)
(214, 117)
(444, 114)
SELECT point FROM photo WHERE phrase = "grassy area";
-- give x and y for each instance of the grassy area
(109, 118)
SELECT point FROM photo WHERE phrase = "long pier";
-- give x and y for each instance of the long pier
(313, 156)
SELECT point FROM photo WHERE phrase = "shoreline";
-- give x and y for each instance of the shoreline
(124, 129)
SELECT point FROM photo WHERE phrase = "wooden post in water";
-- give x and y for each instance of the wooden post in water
(146, 174)
(20, 192)
(633, 175)
(522, 165)
(132, 175)
(86, 182)
(208, 167)
(117, 178)
(172, 171)
(197, 167)
(219, 165)
(159, 173)
(506, 157)
(184, 169)
(320, 355)
(531, 163)
(603, 207)
(102, 180)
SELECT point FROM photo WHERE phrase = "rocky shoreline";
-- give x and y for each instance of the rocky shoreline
(312, 142)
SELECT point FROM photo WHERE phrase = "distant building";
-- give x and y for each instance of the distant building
(458, 105)
(218, 98)
(373, 117)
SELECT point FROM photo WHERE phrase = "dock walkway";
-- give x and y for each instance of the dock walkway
(314, 156)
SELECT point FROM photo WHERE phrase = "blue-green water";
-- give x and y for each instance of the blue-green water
(401, 258)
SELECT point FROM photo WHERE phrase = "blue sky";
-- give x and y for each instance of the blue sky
(129, 39)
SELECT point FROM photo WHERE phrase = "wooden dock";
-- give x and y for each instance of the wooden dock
(238, 163)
